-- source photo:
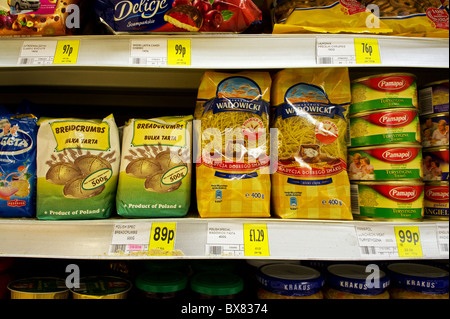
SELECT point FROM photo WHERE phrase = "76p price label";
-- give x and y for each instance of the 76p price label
(408, 241)
(162, 236)
(179, 52)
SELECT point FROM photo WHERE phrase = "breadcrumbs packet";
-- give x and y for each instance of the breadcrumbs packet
(78, 164)
(155, 169)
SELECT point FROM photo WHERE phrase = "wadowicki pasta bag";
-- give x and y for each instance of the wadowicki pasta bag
(155, 167)
(77, 168)
(232, 161)
(310, 113)
(416, 18)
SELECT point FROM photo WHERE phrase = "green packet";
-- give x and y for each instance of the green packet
(78, 163)
(155, 169)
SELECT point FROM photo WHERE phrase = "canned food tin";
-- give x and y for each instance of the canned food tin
(390, 200)
(384, 127)
(102, 287)
(39, 288)
(384, 91)
(434, 129)
(435, 164)
(434, 97)
(436, 200)
(385, 162)
(418, 281)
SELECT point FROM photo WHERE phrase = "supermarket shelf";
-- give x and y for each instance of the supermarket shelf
(287, 239)
(105, 61)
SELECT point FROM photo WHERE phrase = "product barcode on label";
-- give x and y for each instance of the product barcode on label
(443, 247)
(24, 61)
(354, 199)
(368, 250)
(138, 61)
(216, 250)
(117, 249)
(426, 101)
(325, 60)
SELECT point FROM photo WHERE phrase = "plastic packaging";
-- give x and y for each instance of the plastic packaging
(102, 287)
(162, 284)
(216, 285)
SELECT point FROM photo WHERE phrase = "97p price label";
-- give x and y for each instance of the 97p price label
(66, 52)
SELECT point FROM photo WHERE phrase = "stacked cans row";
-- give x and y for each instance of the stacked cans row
(434, 125)
(385, 149)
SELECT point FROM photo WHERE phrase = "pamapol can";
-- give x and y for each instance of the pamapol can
(434, 98)
(102, 287)
(434, 129)
(385, 162)
(388, 200)
(384, 91)
(39, 288)
(435, 164)
(436, 200)
(399, 125)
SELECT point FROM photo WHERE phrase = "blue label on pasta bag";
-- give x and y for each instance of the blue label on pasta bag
(17, 165)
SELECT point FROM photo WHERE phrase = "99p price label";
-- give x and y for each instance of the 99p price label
(162, 236)
(179, 52)
(408, 241)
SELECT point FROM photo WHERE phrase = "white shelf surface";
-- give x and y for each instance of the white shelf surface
(287, 239)
(239, 51)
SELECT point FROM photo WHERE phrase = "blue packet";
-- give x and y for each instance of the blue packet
(18, 134)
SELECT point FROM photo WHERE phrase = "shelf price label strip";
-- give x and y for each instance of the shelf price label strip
(237, 240)
(142, 237)
(47, 52)
(347, 51)
(160, 53)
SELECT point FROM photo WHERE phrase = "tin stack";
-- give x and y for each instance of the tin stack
(385, 151)
(434, 121)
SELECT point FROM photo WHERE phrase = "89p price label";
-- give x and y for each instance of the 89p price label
(162, 236)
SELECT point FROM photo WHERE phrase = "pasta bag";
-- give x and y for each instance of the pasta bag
(233, 145)
(78, 163)
(155, 168)
(311, 107)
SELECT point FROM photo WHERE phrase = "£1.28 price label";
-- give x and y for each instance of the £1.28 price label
(408, 241)
(162, 236)
(256, 240)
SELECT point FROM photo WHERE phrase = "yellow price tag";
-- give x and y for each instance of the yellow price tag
(178, 52)
(162, 236)
(256, 240)
(408, 241)
(367, 51)
(66, 52)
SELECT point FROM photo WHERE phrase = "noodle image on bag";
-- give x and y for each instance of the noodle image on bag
(78, 164)
(311, 108)
(233, 145)
(155, 169)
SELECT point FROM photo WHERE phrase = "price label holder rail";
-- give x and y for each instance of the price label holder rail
(347, 51)
(48, 52)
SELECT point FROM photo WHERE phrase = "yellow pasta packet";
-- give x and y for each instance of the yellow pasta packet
(233, 145)
(311, 108)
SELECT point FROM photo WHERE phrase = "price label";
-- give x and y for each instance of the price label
(256, 241)
(178, 52)
(408, 241)
(66, 52)
(162, 236)
(367, 51)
